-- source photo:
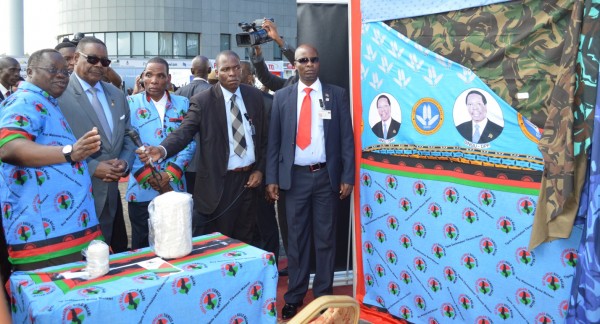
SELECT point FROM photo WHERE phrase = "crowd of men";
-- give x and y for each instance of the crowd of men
(236, 149)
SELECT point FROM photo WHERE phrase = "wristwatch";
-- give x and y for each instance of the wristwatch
(66, 151)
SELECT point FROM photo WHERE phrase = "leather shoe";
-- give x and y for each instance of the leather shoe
(289, 310)
(283, 272)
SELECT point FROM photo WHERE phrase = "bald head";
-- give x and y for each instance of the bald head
(200, 67)
(10, 71)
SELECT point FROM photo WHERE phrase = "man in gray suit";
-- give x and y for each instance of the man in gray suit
(89, 102)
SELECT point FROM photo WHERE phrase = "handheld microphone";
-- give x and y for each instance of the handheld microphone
(135, 137)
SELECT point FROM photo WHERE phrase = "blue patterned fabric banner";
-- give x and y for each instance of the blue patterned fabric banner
(380, 10)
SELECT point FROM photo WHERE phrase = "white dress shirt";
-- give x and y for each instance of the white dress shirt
(315, 152)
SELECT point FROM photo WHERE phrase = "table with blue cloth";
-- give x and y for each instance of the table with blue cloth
(221, 281)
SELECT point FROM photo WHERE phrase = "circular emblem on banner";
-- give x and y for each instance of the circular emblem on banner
(238, 318)
(530, 131)
(552, 281)
(48, 226)
(469, 261)
(487, 246)
(487, 198)
(484, 287)
(234, 254)
(435, 210)
(563, 308)
(210, 300)
(503, 311)
(405, 312)
(380, 301)
(391, 257)
(393, 288)
(230, 269)
(379, 197)
(505, 224)
(369, 281)
(432, 320)
(368, 247)
(420, 302)
(270, 307)
(465, 301)
(450, 274)
(451, 231)
(470, 215)
(405, 204)
(525, 297)
(91, 291)
(391, 182)
(145, 278)
(483, 320)
(419, 230)
(194, 266)
(7, 210)
(379, 270)
(367, 211)
(420, 264)
(43, 290)
(427, 116)
(525, 256)
(365, 179)
(268, 259)
(544, 318)
(76, 313)
(254, 292)
(434, 284)
(131, 299)
(438, 251)
(569, 258)
(380, 236)
(24, 231)
(419, 188)
(183, 285)
(405, 276)
(451, 195)
(526, 206)
(448, 310)
(163, 319)
(392, 223)
(405, 241)
(505, 269)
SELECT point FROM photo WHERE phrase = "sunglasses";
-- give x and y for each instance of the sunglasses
(305, 60)
(93, 60)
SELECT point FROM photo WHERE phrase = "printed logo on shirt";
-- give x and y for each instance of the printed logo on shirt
(142, 113)
(84, 218)
(24, 231)
(163, 318)
(7, 210)
(40, 108)
(19, 176)
(48, 226)
(63, 201)
(238, 318)
(41, 176)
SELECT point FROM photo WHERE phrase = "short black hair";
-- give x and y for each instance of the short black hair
(87, 40)
(64, 45)
(36, 57)
(478, 93)
(226, 53)
(159, 60)
(386, 98)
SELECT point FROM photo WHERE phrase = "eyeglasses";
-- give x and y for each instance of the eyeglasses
(53, 71)
(305, 60)
(93, 59)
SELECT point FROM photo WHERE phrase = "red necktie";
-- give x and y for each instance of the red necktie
(303, 136)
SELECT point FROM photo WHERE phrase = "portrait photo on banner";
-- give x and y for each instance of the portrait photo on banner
(385, 117)
(477, 116)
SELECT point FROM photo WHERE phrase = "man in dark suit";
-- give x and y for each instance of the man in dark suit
(479, 129)
(90, 102)
(229, 118)
(10, 74)
(388, 127)
(200, 70)
(310, 157)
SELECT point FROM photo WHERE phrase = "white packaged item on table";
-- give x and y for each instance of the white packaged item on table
(96, 256)
(170, 224)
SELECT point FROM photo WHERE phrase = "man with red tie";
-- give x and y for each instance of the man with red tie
(310, 156)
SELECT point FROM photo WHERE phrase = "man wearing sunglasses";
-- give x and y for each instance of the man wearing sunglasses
(310, 157)
(90, 102)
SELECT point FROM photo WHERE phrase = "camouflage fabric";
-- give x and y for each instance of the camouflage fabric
(530, 46)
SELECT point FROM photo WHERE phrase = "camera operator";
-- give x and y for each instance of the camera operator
(269, 80)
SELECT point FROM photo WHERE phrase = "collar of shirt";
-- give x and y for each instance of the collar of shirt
(28, 86)
(200, 79)
(3, 90)
(161, 106)
(227, 94)
(316, 86)
(86, 86)
(481, 124)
